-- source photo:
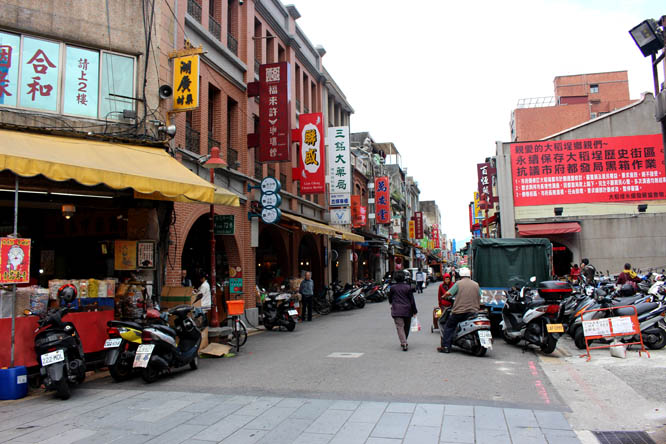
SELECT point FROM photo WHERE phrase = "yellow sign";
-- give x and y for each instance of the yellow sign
(477, 208)
(125, 255)
(412, 231)
(185, 83)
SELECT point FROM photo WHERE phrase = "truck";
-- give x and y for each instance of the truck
(499, 264)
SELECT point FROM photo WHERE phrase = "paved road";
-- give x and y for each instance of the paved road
(298, 364)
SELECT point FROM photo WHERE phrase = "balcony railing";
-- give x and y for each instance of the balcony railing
(194, 10)
(211, 143)
(214, 27)
(192, 138)
(232, 43)
(232, 158)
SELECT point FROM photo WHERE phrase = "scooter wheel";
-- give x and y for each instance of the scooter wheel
(62, 389)
(479, 351)
(660, 342)
(268, 325)
(291, 325)
(149, 374)
(550, 345)
(120, 372)
(510, 340)
(579, 338)
(194, 363)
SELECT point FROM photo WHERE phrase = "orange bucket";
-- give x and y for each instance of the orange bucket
(236, 307)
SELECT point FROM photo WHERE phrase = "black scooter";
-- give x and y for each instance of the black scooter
(278, 310)
(58, 348)
(160, 352)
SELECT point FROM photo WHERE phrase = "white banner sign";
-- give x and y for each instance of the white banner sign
(339, 169)
(341, 216)
(597, 327)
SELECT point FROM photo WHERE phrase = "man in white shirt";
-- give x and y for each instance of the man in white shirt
(420, 281)
(204, 291)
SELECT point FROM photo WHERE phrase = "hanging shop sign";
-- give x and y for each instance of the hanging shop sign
(412, 233)
(225, 224)
(608, 169)
(418, 225)
(435, 236)
(270, 200)
(124, 255)
(339, 169)
(14, 260)
(485, 173)
(341, 216)
(145, 255)
(382, 200)
(274, 112)
(186, 83)
(358, 212)
(363, 215)
(313, 172)
(235, 285)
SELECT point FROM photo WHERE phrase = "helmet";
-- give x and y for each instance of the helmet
(627, 290)
(464, 272)
(67, 293)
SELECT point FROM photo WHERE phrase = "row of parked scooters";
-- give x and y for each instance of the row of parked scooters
(148, 346)
(541, 314)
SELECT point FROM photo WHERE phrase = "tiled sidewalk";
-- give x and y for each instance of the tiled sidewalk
(128, 416)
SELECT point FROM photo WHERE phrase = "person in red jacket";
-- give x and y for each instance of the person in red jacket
(443, 288)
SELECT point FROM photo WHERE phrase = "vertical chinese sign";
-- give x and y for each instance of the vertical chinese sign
(313, 173)
(435, 236)
(382, 200)
(418, 224)
(39, 74)
(359, 212)
(14, 260)
(610, 169)
(338, 164)
(185, 82)
(275, 113)
(485, 173)
(9, 61)
(412, 233)
(81, 82)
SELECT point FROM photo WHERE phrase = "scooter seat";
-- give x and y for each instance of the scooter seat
(628, 300)
(165, 329)
(180, 310)
(641, 308)
(127, 324)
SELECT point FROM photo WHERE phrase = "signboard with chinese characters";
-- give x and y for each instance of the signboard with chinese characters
(412, 233)
(435, 236)
(274, 112)
(224, 224)
(145, 255)
(14, 260)
(382, 200)
(311, 127)
(341, 216)
(186, 83)
(235, 285)
(418, 225)
(610, 169)
(81, 82)
(39, 74)
(358, 211)
(9, 68)
(339, 169)
(485, 173)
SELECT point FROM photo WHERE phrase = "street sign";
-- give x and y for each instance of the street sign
(225, 224)
(271, 215)
(271, 200)
(270, 185)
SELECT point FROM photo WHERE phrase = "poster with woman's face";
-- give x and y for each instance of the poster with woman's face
(14, 260)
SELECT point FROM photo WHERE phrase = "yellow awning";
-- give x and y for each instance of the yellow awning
(311, 226)
(222, 197)
(90, 162)
(348, 235)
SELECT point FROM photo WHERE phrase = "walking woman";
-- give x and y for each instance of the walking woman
(403, 307)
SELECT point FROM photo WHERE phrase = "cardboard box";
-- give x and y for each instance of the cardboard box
(204, 338)
(173, 296)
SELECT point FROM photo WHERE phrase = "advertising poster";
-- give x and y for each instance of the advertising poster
(124, 255)
(14, 260)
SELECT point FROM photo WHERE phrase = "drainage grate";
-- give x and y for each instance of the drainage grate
(344, 355)
(623, 438)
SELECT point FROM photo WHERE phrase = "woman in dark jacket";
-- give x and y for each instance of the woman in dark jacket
(403, 307)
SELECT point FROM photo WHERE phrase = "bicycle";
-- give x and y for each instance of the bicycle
(238, 331)
(321, 303)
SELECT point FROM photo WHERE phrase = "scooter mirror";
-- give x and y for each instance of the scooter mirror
(533, 279)
(27, 312)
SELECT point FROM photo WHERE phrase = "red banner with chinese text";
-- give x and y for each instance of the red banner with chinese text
(608, 169)
(418, 225)
(357, 219)
(382, 200)
(312, 171)
(435, 235)
(485, 173)
(274, 113)
(14, 260)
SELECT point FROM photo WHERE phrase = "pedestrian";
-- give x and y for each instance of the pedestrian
(588, 271)
(306, 289)
(420, 280)
(628, 276)
(403, 307)
(574, 273)
(204, 291)
(468, 301)
(185, 281)
(441, 292)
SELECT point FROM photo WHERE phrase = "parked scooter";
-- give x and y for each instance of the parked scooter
(164, 348)
(342, 296)
(535, 315)
(373, 292)
(357, 297)
(472, 334)
(278, 310)
(58, 347)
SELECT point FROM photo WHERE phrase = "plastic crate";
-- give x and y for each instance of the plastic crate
(235, 308)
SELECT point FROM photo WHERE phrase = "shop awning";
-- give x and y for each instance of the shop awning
(312, 226)
(543, 229)
(222, 197)
(90, 162)
(348, 235)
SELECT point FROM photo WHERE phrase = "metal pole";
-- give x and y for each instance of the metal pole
(215, 319)
(655, 76)
(11, 354)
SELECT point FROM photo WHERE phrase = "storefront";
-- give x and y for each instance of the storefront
(97, 214)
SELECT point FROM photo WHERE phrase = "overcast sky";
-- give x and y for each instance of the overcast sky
(440, 78)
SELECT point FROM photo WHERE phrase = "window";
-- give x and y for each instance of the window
(271, 170)
(594, 89)
(593, 115)
(283, 179)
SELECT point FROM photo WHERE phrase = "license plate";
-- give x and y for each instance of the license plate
(142, 355)
(292, 313)
(555, 328)
(53, 357)
(485, 338)
(112, 343)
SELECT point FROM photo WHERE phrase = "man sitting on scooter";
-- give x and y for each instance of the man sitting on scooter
(468, 301)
